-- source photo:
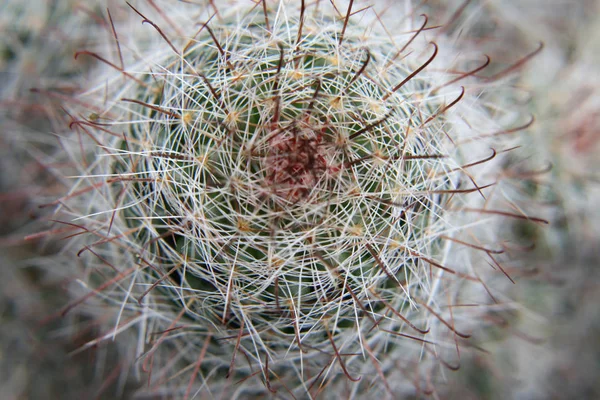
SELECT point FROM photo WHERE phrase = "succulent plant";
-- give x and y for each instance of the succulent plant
(292, 192)
(37, 42)
(38, 39)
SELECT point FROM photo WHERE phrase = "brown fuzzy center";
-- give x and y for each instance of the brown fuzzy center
(295, 163)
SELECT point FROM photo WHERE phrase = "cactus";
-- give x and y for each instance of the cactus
(37, 42)
(290, 192)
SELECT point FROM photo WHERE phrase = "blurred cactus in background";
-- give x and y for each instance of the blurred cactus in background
(37, 42)
(280, 198)
(561, 180)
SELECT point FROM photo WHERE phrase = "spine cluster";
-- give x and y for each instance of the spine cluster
(282, 196)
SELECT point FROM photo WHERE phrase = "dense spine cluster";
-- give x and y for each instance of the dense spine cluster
(291, 194)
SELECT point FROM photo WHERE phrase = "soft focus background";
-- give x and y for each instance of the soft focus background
(551, 348)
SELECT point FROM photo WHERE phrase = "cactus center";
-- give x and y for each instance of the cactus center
(295, 162)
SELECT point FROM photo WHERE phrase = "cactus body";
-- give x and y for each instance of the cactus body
(279, 193)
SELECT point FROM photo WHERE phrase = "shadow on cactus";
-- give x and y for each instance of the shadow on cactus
(278, 195)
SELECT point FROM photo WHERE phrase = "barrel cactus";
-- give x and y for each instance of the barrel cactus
(287, 195)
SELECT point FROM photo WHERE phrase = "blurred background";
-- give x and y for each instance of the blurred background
(551, 350)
